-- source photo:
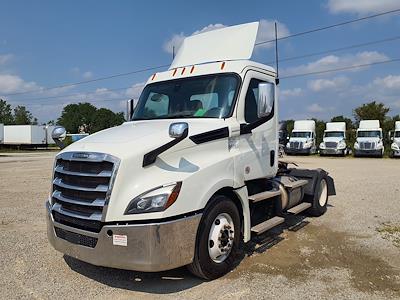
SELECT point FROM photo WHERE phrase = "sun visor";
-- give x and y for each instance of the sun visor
(229, 43)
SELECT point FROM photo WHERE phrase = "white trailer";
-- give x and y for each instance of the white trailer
(302, 138)
(369, 140)
(1, 133)
(192, 176)
(24, 135)
(395, 147)
(334, 140)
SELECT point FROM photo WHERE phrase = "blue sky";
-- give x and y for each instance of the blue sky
(49, 43)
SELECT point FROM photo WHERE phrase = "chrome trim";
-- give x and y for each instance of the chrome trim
(97, 202)
(93, 217)
(100, 188)
(60, 169)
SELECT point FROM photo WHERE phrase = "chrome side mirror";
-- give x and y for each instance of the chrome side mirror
(58, 135)
(266, 97)
(179, 130)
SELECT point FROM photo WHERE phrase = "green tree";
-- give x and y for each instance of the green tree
(289, 125)
(105, 118)
(371, 111)
(77, 117)
(22, 116)
(319, 130)
(6, 116)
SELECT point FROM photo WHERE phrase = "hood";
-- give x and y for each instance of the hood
(333, 139)
(299, 139)
(140, 137)
(368, 139)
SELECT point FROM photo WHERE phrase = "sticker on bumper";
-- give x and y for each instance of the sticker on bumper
(120, 240)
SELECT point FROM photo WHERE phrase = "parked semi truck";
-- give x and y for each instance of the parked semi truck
(1, 133)
(191, 176)
(395, 147)
(334, 140)
(369, 140)
(302, 138)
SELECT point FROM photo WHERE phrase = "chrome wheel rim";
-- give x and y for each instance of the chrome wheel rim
(323, 193)
(220, 238)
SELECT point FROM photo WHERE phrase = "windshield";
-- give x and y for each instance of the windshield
(339, 134)
(372, 133)
(397, 134)
(297, 134)
(194, 97)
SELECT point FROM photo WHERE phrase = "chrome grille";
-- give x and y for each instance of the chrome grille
(332, 145)
(82, 186)
(296, 145)
(367, 145)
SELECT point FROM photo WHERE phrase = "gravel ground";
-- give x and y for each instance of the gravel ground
(352, 252)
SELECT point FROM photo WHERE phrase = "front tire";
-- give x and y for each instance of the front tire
(218, 239)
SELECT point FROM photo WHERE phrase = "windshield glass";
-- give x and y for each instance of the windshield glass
(373, 133)
(397, 134)
(297, 134)
(334, 134)
(194, 97)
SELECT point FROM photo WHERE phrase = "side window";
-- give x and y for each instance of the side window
(157, 105)
(250, 106)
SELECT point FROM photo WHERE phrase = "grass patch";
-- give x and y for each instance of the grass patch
(390, 232)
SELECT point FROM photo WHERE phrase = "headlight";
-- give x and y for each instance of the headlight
(322, 145)
(356, 145)
(288, 145)
(157, 199)
(395, 146)
(342, 145)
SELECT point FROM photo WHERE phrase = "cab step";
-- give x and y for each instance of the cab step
(295, 184)
(266, 225)
(299, 208)
(264, 195)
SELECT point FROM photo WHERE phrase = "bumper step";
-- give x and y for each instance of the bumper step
(266, 225)
(299, 208)
(264, 195)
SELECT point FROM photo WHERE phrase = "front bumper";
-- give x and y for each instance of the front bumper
(150, 247)
(298, 151)
(330, 151)
(395, 153)
(374, 152)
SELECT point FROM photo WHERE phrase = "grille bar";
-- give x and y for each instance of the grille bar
(96, 203)
(94, 216)
(62, 170)
(100, 188)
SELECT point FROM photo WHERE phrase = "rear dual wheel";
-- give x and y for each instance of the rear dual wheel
(218, 239)
(320, 200)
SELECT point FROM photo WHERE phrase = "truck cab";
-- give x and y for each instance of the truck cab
(369, 140)
(302, 139)
(191, 175)
(395, 147)
(334, 140)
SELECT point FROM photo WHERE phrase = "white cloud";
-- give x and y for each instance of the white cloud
(87, 75)
(134, 91)
(291, 92)
(315, 108)
(266, 32)
(5, 58)
(15, 84)
(333, 84)
(361, 7)
(388, 82)
(333, 62)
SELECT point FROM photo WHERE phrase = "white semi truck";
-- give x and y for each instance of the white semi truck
(191, 176)
(302, 138)
(334, 140)
(369, 140)
(396, 141)
(1, 133)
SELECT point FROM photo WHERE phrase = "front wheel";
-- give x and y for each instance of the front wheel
(218, 239)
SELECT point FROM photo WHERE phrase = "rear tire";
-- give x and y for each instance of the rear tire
(220, 218)
(320, 200)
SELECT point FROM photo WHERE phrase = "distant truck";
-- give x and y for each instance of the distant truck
(1, 133)
(283, 136)
(395, 147)
(334, 141)
(369, 140)
(28, 135)
(302, 139)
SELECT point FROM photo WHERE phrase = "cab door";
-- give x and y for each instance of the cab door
(258, 148)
